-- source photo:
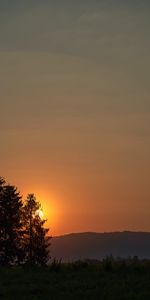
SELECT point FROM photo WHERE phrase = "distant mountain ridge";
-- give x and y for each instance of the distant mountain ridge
(91, 245)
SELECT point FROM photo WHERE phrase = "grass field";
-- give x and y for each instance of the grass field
(108, 280)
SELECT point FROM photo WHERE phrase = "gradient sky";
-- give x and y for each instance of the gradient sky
(75, 110)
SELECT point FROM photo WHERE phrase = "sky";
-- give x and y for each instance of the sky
(75, 110)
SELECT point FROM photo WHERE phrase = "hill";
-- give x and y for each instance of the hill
(90, 245)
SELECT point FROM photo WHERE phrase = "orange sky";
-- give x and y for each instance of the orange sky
(75, 110)
(82, 203)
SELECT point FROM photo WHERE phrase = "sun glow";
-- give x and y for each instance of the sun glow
(40, 213)
(50, 209)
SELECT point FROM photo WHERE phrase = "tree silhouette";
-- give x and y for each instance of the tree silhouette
(10, 224)
(2, 182)
(36, 242)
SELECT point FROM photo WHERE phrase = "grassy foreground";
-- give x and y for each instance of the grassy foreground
(107, 280)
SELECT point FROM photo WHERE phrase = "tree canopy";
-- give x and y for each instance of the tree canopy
(23, 236)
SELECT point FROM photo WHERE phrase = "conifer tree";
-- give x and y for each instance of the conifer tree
(36, 242)
(2, 182)
(10, 224)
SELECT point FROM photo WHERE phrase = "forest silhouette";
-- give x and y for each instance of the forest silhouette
(23, 236)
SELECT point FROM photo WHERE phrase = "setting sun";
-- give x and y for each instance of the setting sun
(50, 209)
(40, 213)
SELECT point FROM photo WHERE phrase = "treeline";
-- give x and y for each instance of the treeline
(23, 236)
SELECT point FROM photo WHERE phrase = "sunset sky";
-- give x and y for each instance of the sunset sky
(75, 110)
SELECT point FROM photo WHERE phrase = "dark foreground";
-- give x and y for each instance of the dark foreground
(108, 280)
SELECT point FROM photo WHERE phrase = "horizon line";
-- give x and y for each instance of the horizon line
(100, 232)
